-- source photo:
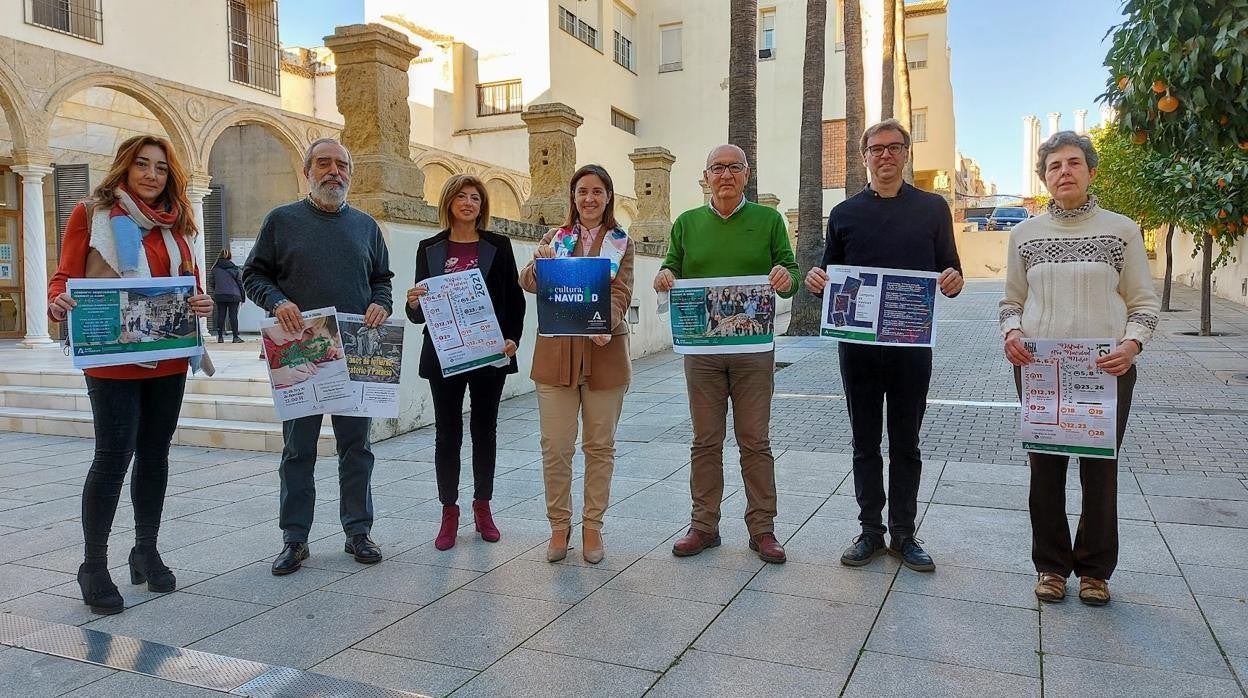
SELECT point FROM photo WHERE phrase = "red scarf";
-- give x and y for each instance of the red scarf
(144, 216)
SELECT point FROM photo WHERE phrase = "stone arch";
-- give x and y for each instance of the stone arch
(16, 112)
(625, 212)
(159, 105)
(244, 114)
(504, 198)
(437, 170)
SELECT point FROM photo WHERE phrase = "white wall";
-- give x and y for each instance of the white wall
(1228, 280)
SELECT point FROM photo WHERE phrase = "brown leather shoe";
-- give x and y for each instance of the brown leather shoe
(1093, 591)
(694, 542)
(1050, 587)
(768, 548)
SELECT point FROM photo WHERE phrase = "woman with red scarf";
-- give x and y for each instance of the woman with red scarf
(137, 223)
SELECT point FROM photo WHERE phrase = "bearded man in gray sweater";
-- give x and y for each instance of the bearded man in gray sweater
(317, 253)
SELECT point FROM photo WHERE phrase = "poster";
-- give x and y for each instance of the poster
(374, 363)
(722, 315)
(308, 368)
(461, 322)
(1069, 405)
(6, 271)
(573, 296)
(870, 305)
(6, 253)
(132, 321)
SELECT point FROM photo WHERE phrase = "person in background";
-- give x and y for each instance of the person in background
(465, 243)
(137, 224)
(227, 293)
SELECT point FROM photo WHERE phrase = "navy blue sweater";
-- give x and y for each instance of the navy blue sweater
(912, 230)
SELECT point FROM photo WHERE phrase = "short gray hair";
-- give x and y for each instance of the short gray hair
(1060, 140)
(885, 125)
(307, 156)
(733, 146)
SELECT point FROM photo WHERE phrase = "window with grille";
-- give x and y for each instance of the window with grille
(81, 18)
(623, 121)
(625, 53)
(918, 126)
(767, 34)
(578, 27)
(670, 48)
(253, 44)
(499, 98)
(70, 185)
(916, 52)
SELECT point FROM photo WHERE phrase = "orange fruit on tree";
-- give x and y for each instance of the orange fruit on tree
(1168, 103)
(1224, 120)
(1140, 137)
(1243, 145)
(1123, 82)
(1221, 182)
(1221, 213)
(1159, 87)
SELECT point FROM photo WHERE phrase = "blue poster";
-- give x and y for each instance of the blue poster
(573, 296)
(871, 305)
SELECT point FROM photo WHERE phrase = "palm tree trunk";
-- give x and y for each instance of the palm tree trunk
(903, 78)
(804, 320)
(888, 77)
(855, 111)
(1165, 289)
(743, 86)
(1206, 286)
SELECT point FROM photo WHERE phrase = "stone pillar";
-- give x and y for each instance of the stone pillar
(791, 217)
(769, 200)
(1081, 121)
(652, 181)
(706, 191)
(552, 160)
(372, 89)
(196, 190)
(34, 256)
(1055, 122)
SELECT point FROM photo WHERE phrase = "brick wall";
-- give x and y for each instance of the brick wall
(834, 154)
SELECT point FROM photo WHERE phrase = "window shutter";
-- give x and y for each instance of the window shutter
(70, 185)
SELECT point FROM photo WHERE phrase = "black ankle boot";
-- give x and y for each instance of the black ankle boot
(146, 565)
(98, 590)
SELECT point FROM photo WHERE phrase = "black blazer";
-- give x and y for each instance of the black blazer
(498, 266)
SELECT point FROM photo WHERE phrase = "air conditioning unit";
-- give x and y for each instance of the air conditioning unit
(765, 53)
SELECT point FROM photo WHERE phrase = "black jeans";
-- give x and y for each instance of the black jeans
(133, 418)
(227, 311)
(869, 373)
(297, 499)
(485, 385)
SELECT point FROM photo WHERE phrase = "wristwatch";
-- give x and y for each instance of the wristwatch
(1139, 345)
(279, 304)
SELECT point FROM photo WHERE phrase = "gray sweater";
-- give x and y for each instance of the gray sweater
(317, 259)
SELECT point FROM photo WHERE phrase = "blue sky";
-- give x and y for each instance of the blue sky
(1010, 58)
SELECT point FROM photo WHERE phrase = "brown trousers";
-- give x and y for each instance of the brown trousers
(599, 411)
(748, 381)
(1095, 550)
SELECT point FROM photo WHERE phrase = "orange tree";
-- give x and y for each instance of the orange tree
(1177, 83)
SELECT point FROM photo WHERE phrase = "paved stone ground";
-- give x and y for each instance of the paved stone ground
(496, 619)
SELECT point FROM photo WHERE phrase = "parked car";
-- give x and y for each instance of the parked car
(980, 222)
(1006, 217)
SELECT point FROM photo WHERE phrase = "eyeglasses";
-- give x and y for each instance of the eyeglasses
(718, 168)
(893, 148)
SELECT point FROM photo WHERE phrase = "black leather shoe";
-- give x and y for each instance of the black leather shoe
(99, 592)
(290, 559)
(363, 549)
(865, 548)
(146, 566)
(911, 554)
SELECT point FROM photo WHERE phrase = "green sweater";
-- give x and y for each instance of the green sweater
(748, 243)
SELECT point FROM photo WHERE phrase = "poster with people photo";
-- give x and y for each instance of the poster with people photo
(132, 321)
(308, 367)
(374, 363)
(723, 315)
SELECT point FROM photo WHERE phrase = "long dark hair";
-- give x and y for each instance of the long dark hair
(608, 211)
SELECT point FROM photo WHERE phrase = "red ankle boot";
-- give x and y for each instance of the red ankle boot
(450, 525)
(485, 522)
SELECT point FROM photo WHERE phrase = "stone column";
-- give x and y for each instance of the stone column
(652, 182)
(372, 89)
(769, 200)
(34, 256)
(791, 217)
(196, 190)
(1055, 122)
(1081, 121)
(706, 191)
(552, 160)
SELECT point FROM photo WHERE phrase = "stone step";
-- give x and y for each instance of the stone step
(73, 378)
(195, 406)
(220, 433)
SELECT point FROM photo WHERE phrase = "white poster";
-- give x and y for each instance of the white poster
(308, 368)
(1069, 405)
(461, 322)
(374, 363)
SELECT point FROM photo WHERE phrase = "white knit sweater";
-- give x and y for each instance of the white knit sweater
(1083, 275)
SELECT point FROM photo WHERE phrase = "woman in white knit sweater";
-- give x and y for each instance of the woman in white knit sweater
(1077, 271)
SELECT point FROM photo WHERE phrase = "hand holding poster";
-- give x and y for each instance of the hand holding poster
(307, 368)
(573, 296)
(870, 305)
(461, 322)
(374, 363)
(1069, 405)
(723, 315)
(132, 321)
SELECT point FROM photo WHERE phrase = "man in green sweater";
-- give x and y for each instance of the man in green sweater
(730, 237)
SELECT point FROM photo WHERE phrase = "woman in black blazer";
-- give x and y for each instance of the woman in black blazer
(464, 210)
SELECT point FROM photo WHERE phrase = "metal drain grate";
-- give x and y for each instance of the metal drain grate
(289, 683)
(13, 627)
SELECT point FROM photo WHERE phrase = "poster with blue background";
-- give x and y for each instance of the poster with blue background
(573, 296)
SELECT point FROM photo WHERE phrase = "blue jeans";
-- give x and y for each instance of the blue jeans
(297, 472)
(132, 418)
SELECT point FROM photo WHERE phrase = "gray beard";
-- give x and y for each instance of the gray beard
(328, 197)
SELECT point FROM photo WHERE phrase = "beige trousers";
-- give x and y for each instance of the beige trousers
(599, 412)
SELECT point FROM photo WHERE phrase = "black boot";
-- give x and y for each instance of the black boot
(98, 590)
(146, 566)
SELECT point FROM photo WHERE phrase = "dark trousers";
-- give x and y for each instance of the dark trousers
(297, 472)
(869, 373)
(1095, 550)
(485, 388)
(227, 311)
(132, 418)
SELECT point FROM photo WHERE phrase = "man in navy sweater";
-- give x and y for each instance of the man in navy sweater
(889, 224)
